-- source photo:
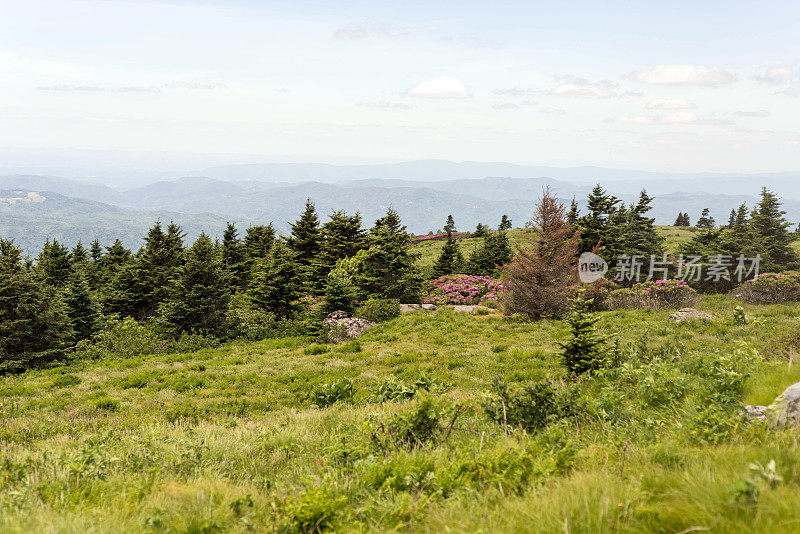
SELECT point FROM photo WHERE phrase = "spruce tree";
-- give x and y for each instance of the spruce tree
(340, 294)
(450, 226)
(640, 236)
(387, 267)
(741, 216)
(505, 223)
(732, 219)
(450, 260)
(79, 255)
(585, 351)
(600, 226)
(275, 283)
(481, 230)
(770, 223)
(342, 237)
(80, 305)
(705, 220)
(258, 242)
(574, 213)
(199, 298)
(32, 319)
(306, 241)
(233, 256)
(54, 264)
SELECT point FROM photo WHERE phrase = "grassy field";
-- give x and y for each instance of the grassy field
(227, 439)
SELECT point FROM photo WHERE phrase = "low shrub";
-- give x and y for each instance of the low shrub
(770, 288)
(418, 426)
(464, 289)
(392, 389)
(653, 295)
(106, 403)
(251, 325)
(531, 408)
(332, 392)
(379, 310)
(316, 510)
(65, 380)
(127, 339)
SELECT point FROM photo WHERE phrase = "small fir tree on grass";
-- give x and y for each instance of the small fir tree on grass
(586, 350)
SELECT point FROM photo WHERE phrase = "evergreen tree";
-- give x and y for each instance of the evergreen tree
(481, 230)
(600, 226)
(770, 223)
(450, 260)
(705, 220)
(96, 253)
(81, 307)
(306, 241)
(732, 219)
(450, 226)
(199, 298)
(275, 283)
(342, 237)
(741, 219)
(493, 254)
(32, 319)
(585, 350)
(257, 244)
(505, 223)
(233, 257)
(139, 288)
(574, 213)
(640, 236)
(387, 268)
(79, 255)
(54, 264)
(682, 219)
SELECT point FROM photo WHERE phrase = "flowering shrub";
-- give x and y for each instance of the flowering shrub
(464, 289)
(770, 288)
(310, 304)
(429, 237)
(597, 292)
(654, 295)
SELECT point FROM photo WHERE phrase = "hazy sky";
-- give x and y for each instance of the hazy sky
(678, 85)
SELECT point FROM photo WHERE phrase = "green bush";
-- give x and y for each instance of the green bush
(65, 380)
(106, 403)
(770, 288)
(127, 339)
(332, 392)
(378, 310)
(416, 426)
(531, 407)
(316, 510)
(392, 389)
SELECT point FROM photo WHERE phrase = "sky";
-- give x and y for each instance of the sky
(664, 86)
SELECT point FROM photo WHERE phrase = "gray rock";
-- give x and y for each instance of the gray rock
(429, 307)
(464, 308)
(687, 314)
(340, 328)
(407, 308)
(754, 411)
(785, 409)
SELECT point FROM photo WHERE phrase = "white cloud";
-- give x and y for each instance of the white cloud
(366, 30)
(669, 103)
(506, 105)
(685, 75)
(633, 120)
(442, 87)
(553, 111)
(192, 84)
(583, 88)
(678, 117)
(777, 75)
(681, 117)
(757, 113)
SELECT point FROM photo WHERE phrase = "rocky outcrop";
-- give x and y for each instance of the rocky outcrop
(755, 412)
(688, 314)
(785, 409)
(339, 326)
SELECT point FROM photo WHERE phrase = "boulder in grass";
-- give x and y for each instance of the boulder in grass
(339, 326)
(689, 314)
(785, 409)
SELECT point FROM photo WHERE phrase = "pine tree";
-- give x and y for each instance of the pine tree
(54, 264)
(275, 283)
(233, 257)
(306, 241)
(79, 255)
(450, 260)
(199, 299)
(705, 220)
(574, 213)
(505, 223)
(770, 223)
(96, 253)
(340, 294)
(450, 226)
(600, 226)
(540, 274)
(31, 317)
(585, 351)
(481, 230)
(732, 219)
(81, 308)
(741, 217)
(639, 235)
(257, 244)
(682, 219)
(387, 267)
(342, 237)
